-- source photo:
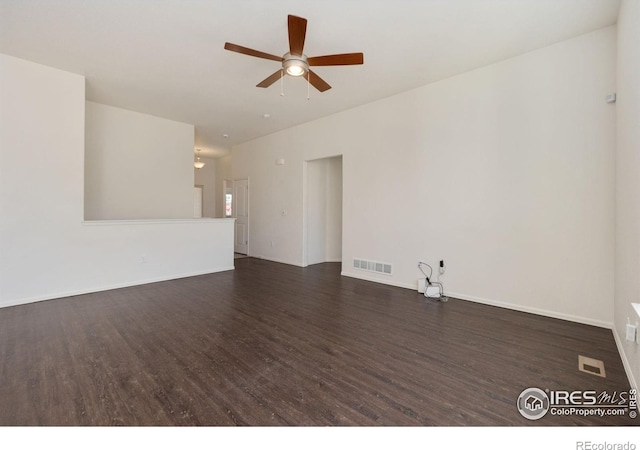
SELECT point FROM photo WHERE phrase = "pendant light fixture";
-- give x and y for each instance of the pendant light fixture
(198, 164)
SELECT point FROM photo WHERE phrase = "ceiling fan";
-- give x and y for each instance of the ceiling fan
(296, 63)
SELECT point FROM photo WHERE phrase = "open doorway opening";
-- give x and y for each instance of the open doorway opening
(323, 214)
(227, 199)
(240, 211)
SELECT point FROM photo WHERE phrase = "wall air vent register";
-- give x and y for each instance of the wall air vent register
(372, 266)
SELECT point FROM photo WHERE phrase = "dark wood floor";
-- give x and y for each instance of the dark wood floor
(271, 344)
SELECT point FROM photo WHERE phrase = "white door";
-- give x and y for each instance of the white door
(241, 213)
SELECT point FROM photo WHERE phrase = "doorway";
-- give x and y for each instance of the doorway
(240, 210)
(323, 215)
(227, 200)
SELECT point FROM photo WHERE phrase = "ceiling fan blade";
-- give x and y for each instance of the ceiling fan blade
(270, 79)
(297, 33)
(317, 82)
(251, 52)
(344, 59)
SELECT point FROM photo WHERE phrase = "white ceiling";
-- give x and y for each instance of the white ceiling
(166, 57)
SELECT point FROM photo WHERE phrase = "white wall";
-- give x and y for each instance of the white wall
(46, 250)
(506, 172)
(324, 210)
(627, 286)
(206, 177)
(274, 188)
(137, 166)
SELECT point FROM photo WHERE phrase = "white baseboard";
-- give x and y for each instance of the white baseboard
(512, 306)
(532, 310)
(281, 261)
(378, 280)
(322, 262)
(41, 298)
(625, 362)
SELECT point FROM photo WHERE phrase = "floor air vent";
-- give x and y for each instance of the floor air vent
(372, 266)
(592, 366)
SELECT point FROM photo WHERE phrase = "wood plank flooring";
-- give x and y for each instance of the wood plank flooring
(272, 344)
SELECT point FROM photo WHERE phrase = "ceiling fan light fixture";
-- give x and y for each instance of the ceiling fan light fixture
(296, 66)
(295, 70)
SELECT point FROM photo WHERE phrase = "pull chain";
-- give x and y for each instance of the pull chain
(308, 84)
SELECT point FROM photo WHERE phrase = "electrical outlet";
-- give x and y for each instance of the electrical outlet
(441, 268)
(631, 332)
